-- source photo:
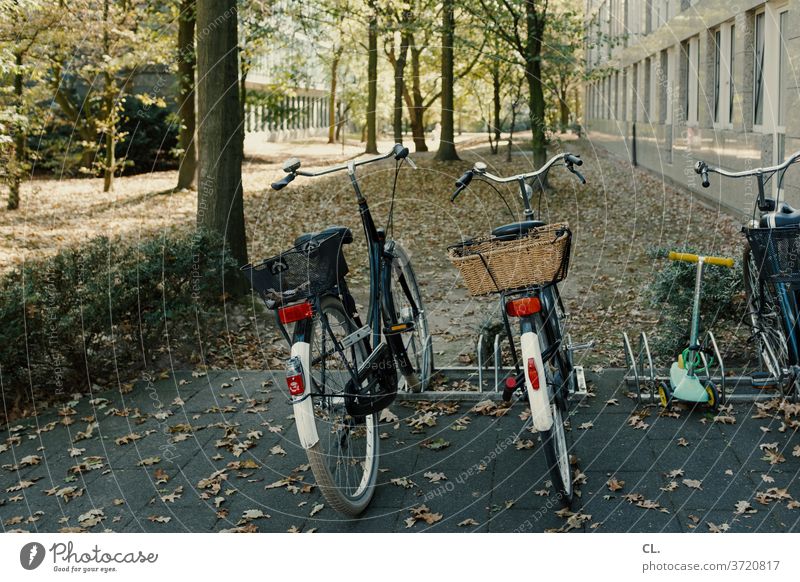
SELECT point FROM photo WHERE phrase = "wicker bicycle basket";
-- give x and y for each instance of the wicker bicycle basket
(776, 252)
(490, 265)
(305, 270)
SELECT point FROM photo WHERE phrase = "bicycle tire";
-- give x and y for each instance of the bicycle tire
(765, 318)
(556, 444)
(336, 428)
(418, 347)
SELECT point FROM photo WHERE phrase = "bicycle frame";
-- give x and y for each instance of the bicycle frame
(787, 296)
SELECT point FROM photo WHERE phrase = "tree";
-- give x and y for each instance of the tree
(220, 205)
(562, 57)
(23, 23)
(91, 85)
(372, 79)
(521, 25)
(186, 111)
(398, 58)
(447, 146)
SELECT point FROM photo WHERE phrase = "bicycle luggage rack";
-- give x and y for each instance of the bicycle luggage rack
(488, 375)
(641, 373)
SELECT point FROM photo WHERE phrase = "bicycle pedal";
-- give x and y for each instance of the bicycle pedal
(398, 328)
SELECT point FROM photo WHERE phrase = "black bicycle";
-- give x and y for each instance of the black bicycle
(771, 272)
(344, 370)
(523, 262)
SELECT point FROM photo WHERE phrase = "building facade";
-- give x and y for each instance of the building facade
(674, 81)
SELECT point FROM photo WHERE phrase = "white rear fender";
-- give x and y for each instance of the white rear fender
(539, 399)
(302, 405)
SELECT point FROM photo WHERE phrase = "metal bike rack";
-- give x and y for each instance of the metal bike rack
(489, 377)
(641, 373)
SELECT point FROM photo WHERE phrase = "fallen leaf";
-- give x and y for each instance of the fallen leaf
(277, 450)
(468, 521)
(614, 484)
(159, 519)
(693, 484)
(434, 477)
(316, 509)
(436, 444)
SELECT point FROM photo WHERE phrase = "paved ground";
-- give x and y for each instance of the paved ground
(198, 453)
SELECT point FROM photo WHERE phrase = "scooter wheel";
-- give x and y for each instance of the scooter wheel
(664, 396)
(713, 396)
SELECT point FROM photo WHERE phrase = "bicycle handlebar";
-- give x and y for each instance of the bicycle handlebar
(570, 160)
(690, 258)
(703, 169)
(292, 166)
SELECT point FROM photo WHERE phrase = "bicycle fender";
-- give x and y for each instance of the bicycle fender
(539, 399)
(302, 405)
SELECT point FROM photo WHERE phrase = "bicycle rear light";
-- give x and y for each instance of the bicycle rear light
(293, 313)
(523, 306)
(294, 377)
(533, 375)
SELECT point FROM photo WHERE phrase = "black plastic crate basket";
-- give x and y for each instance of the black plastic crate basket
(308, 269)
(776, 252)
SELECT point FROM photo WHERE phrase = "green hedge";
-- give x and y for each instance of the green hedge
(101, 309)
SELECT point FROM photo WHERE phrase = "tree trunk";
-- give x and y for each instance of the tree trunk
(186, 63)
(416, 112)
(447, 144)
(497, 105)
(372, 81)
(533, 72)
(109, 165)
(337, 56)
(399, 79)
(563, 109)
(19, 140)
(220, 205)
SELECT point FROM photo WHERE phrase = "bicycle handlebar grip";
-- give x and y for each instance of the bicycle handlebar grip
(702, 168)
(461, 184)
(283, 182)
(572, 159)
(685, 257)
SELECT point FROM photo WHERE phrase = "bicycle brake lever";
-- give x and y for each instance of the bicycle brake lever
(411, 163)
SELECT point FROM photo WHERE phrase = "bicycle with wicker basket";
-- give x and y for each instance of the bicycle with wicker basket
(523, 262)
(771, 273)
(343, 371)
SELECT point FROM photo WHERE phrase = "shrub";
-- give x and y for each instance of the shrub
(672, 291)
(102, 308)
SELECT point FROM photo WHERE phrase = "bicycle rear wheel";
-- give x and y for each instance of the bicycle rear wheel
(765, 318)
(409, 309)
(557, 446)
(345, 459)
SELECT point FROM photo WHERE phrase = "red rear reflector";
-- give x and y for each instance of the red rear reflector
(295, 384)
(511, 383)
(524, 306)
(533, 374)
(294, 313)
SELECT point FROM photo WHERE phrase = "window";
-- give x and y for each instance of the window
(732, 62)
(784, 71)
(717, 80)
(758, 70)
(692, 62)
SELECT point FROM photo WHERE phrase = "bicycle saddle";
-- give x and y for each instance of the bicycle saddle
(515, 229)
(346, 233)
(785, 215)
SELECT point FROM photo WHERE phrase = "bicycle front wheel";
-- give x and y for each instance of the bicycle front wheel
(410, 310)
(345, 459)
(765, 318)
